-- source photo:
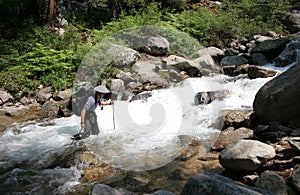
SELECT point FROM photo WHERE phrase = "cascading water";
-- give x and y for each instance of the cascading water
(35, 156)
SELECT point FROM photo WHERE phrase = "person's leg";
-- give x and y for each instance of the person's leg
(94, 124)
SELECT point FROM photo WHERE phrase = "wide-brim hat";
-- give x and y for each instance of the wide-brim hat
(101, 89)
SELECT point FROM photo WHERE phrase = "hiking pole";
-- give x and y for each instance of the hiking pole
(113, 108)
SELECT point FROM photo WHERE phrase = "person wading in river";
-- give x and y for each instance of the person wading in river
(89, 123)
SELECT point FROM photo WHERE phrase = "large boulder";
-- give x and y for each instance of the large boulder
(246, 155)
(289, 55)
(216, 53)
(121, 56)
(49, 109)
(156, 45)
(295, 179)
(209, 183)
(279, 99)
(146, 73)
(270, 48)
(272, 182)
(181, 64)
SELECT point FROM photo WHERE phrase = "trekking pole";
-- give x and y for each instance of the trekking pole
(113, 108)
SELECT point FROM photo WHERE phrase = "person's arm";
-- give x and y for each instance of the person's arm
(82, 118)
(107, 103)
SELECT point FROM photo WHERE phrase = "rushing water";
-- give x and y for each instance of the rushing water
(36, 157)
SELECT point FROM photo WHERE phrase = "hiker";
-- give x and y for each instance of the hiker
(88, 115)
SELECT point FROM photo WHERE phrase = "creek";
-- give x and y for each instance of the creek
(36, 157)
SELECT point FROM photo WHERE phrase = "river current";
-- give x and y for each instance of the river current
(36, 156)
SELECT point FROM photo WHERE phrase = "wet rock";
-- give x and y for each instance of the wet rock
(272, 182)
(233, 60)
(258, 72)
(295, 179)
(270, 48)
(289, 55)
(175, 76)
(121, 56)
(258, 59)
(49, 109)
(107, 190)
(231, 135)
(99, 172)
(295, 142)
(279, 99)
(209, 96)
(209, 183)
(156, 45)
(246, 155)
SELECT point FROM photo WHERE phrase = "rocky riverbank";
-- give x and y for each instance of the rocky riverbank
(259, 147)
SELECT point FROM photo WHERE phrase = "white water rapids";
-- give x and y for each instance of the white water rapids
(32, 155)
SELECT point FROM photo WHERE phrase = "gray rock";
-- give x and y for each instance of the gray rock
(146, 73)
(102, 189)
(233, 60)
(43, 96)
(156, 45)
(5, 97)
(295, 142)
(121, 56)
(230, 135)
(16, 110)
(181, 64)
(272, 182)
(207, 62)
(279, 99)
(296, 132)
(294, 21)
(212, 51)
(162, 192)
(295, 179)
(209, 183)
(49, 109)
(246, 155)
(63, 95)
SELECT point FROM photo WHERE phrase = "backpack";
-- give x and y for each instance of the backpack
(81, 93)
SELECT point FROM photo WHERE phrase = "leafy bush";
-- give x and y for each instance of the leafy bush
(40, 66)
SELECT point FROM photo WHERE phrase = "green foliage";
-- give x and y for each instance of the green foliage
(199, 23)
(246, 17)
(42, 65)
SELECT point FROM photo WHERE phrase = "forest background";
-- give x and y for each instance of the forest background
(34, 53)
